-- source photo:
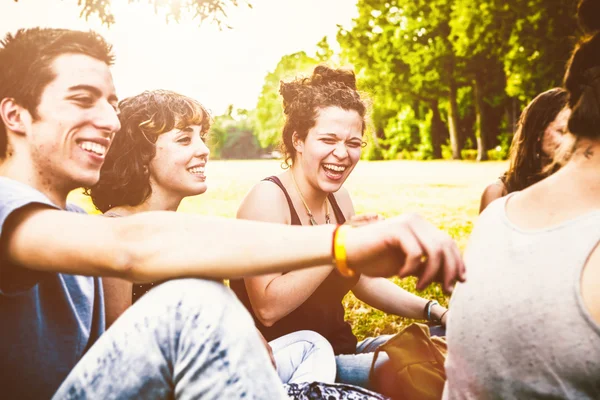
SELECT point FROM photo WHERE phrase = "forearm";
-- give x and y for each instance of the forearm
(390, 298)
(155, 246)
(283, 294)
(166, 245)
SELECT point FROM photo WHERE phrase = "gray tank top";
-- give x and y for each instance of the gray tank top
(518, 327)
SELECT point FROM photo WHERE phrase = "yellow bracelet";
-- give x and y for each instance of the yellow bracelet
(340, 258)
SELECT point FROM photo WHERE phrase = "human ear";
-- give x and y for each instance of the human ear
(13, 115)
(298, 143)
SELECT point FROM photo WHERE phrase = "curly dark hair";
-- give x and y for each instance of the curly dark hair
(125, 175)
(526, 159)
(582, 79)
(303, 97)
(26, 63)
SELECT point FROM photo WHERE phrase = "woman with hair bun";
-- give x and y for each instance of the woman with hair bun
(158, 158)
(322, 142)
(541, 131)
(527, 323)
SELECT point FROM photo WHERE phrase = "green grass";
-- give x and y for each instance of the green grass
(444, 192)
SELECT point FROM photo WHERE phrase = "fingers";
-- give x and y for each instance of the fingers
(433, 244)
(413, 252)
(442, 261)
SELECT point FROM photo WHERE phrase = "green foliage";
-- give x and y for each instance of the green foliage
(269, 118)
(540, 43)
(215, 10)
(401, 51)
(232, 136)
(324, 51)
(400, 133)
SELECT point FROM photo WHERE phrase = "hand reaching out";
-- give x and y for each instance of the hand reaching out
(403, 246)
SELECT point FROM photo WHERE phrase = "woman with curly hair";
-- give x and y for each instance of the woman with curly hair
(541, 131)
(527, 323)
(322, 141)
(158, 158)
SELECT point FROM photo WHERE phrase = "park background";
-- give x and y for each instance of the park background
(446, 80)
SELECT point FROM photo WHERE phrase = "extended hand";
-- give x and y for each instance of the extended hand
(406, 245)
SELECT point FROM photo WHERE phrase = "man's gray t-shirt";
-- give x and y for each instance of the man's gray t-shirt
(47, 320)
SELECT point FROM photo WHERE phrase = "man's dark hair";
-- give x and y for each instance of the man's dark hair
(26, 63)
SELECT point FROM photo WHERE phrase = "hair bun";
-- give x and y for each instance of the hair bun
(323, 75)
(289, 91)
(588, 13)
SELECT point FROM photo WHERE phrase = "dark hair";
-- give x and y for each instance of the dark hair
(303, 97)
(582, 79)
(26, 63)
(526, 159)
(125, 176)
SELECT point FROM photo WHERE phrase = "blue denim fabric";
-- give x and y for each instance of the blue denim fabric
(186, 339)
(354, 369)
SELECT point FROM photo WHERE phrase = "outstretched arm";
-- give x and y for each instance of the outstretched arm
(162, 245)
(392, 299)
(158, 245)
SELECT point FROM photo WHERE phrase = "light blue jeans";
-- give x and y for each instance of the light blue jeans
(354, 369)
(186, 339)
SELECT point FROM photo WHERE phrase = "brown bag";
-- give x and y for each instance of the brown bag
(418, 362)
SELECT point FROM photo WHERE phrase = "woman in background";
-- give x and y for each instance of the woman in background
(541, 131)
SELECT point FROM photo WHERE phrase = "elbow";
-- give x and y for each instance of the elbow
(266, 316)
(122, 264)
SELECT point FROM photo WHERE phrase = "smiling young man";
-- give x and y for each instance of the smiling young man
(188, 338)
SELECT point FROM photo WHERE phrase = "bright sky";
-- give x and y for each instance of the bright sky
(216, 67)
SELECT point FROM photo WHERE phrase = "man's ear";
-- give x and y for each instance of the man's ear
(298, 143)
(14, 116)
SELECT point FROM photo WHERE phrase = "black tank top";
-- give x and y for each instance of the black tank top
(323, 311)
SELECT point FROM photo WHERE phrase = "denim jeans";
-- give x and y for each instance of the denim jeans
(354, 369)
(186, 339)
(304, 356)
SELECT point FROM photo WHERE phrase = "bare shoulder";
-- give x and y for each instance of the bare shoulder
(344, 200)
(265, 202)
(492, 192)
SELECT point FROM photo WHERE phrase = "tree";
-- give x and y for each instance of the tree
(269, 117)
(232, 136)
(403, 56)
(514, 48)
(540, 45)
(174, 9)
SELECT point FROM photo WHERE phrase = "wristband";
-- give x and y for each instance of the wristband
(427, 310)
(442, 316)
(338, 251)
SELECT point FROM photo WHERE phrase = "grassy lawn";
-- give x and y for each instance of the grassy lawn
(445, 192)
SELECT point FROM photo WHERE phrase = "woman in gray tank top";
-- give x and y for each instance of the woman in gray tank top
(534, 269)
